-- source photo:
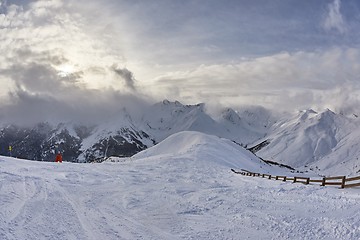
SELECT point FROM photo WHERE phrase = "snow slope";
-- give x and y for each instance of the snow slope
(326, 142)
(180, 189)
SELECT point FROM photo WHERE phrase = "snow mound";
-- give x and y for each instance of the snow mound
(207, 149)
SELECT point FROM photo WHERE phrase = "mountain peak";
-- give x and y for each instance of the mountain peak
(307, 113)
(166, 102)
(230, 115)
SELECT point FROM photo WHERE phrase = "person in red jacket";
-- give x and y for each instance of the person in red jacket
(58, 158)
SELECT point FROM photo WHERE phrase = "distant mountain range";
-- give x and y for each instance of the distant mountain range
(325, 142)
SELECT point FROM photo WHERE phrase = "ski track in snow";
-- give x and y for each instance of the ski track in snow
(160, 199)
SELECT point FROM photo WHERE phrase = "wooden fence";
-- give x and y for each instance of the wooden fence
(341, 181)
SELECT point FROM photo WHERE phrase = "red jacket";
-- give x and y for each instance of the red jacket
(58, 158)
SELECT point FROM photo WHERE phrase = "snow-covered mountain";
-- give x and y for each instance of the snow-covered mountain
(122, 134)
(325, 142)
(167, 118)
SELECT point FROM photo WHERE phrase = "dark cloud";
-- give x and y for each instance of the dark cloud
(34, 77)
(41, 94)
(36, 71)
(75, 105)
(126, 75)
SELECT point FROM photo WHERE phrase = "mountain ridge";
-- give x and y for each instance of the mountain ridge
(307, 139)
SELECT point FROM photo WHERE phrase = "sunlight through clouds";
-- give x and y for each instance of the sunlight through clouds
(284, 55)
(49, 32)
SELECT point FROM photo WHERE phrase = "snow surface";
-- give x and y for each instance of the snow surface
(181, 188)
(325, 142)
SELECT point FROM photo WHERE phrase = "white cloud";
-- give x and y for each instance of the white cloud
(334, 19)
(285, 81)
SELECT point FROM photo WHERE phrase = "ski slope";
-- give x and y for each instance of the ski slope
(181, 188)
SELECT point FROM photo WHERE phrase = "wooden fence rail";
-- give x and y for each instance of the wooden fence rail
(352, 184)
(302, 180)
(341, 181)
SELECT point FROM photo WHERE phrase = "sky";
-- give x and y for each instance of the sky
(85, 59)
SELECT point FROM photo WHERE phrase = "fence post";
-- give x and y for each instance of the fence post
(269, 176)
(277, 177)
(285, 179)
(323, 181)
(294, 179)
(343, 181)
(307, 180)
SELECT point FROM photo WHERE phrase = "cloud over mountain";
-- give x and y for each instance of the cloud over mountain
(285, 80)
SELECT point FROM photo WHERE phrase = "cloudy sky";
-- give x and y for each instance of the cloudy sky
(87, 58)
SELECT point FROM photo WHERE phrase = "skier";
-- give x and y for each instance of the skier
(58, 158)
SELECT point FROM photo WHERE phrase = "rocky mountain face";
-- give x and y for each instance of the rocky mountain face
(40, 142)
(43, 141)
